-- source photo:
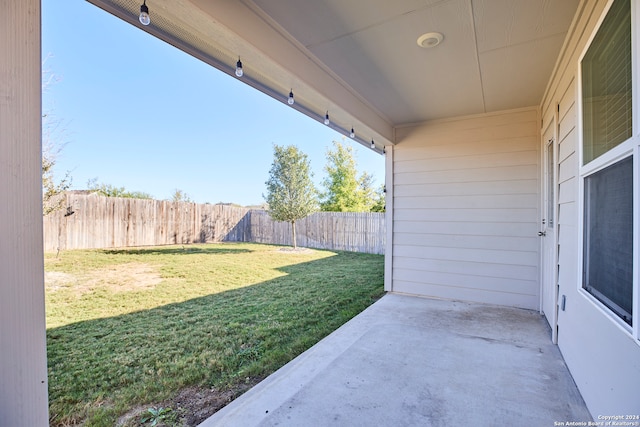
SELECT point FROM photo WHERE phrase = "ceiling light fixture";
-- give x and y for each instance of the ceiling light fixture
(352, 134)
(239, 71)
(429, 40)
(326, 119)
(290, 101)
(373, 145)
(144, 13)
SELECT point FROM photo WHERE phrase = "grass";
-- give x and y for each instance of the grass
(135, 327)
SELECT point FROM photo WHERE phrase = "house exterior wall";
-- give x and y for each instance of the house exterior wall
(23, 365)
(603, 358)
(465, 209)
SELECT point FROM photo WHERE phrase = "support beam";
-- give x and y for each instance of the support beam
(23, 363)
(388, 199)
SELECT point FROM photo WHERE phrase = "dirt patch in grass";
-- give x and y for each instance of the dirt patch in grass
(125, 277)
(117, 278)
(55, 280)
(290, 250)
(190, 407)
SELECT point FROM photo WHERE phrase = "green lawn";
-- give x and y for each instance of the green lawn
(136, 328)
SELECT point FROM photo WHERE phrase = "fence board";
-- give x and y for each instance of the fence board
(347, 231)
(112, 222)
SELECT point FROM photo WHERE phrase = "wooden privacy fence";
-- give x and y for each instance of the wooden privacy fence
(344, 231)
(90, 221)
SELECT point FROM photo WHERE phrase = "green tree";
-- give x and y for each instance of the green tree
(180, 196)
(109, 190)
(379, 203)
(290, 192)
(52, 190)
(344, 190)
(373, 198)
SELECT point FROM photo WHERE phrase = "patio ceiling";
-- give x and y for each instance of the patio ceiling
(359, 59)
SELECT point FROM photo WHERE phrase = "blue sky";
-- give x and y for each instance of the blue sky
(140, 114)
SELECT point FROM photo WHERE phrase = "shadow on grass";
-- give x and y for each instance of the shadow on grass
(175, 250)
(98, 369)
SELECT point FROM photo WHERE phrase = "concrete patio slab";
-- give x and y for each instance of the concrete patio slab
(408, 361)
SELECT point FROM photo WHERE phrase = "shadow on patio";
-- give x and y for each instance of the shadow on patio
(408, 361)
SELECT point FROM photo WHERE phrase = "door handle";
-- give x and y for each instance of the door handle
(542, 233)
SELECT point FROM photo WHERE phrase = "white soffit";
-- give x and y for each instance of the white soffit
(406, 82)
(534, 59)
(519, 38)
(359, 58)
(496, 54)
(502, 23)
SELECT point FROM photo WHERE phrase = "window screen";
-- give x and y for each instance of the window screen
(608, 237)
(606, 84)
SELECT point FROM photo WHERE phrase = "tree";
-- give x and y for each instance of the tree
(180, 196)
(290, 192)
(109, 190)
(374, 198)
(344, 190)
(52, 190)
(52, 145)
(379, 203)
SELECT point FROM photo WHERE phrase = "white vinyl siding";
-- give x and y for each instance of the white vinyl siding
(465, 209)
(602, 357)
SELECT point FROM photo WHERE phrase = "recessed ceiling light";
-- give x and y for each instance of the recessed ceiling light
(430, 40)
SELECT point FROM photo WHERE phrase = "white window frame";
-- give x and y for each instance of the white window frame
(630, 147)
(635, 93)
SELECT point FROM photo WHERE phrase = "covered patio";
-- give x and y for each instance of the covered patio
(480, 108)
(408, 361)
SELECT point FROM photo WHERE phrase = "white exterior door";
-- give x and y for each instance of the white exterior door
(549, 264)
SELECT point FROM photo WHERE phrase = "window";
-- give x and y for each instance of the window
(608, 237)
(608, 182)
(550, 184)
(606, 84)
